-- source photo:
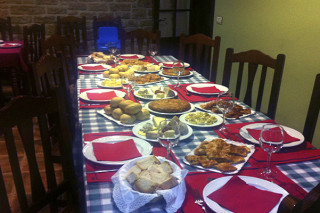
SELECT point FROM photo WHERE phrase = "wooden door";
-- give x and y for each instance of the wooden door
(173, 17)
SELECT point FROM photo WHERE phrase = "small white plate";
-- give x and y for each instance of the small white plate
(238, 165)
(143, 146)
(11, 45)
(146, 71)
(174, 113)
(109, 117)
(84, 96)
(123, 56)
(216, 184)
(82, 67)
(169, 64)
(99, 84)
(174, 76)
(154, 97)
(218, 86)
(292, 132)
(217, 123)
(136, 128)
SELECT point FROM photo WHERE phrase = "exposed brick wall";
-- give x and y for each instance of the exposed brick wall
(134, 13)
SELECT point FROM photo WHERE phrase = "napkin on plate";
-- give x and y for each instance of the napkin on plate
(210, 89)
(96, 67)
(171, 64)
(255, 133)
(130, 57)
(101, 95)
(238, 196)
(116, 151)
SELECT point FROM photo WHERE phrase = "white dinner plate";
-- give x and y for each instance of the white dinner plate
(99, 84)
(143, 146)
(197, 105)
(146, 71)
(109, 117)
(292, 132)
(139, 126)
(216, 184)
(174, 113)
(82, 67)
(154, 96)
(200, 85)
(10, 45)
(164, 79)
(123, 56)
(169, 64)
(174, 76)
(217, 123)
(84, 96)
(238, 165)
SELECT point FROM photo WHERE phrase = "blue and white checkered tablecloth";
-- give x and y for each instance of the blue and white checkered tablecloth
(99, 195)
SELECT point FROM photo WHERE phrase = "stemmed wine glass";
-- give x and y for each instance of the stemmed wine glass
(153, 49)
(225, 103)
(178, 68)
(271, 140)
(168, 134)
(112, 47)
(128, 83)
(116, 57)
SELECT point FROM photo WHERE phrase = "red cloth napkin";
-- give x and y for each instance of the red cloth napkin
(96, 67)
(88, 73)
(255, 133)
(161, 151)
(130, 57)
(116, 151)
(9, 45)
(101, 96)
(170, 64)
(212, 89)
(238, 196)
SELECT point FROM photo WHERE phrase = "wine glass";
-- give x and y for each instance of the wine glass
(128, 83)
(168, 134)
(112, 47)
(271, 140)
(178, 68)
(153, 49)
(116, 57)
(225, 103)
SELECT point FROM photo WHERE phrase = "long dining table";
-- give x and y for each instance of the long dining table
(298, 175)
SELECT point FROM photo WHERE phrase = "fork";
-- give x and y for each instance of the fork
(198, 199)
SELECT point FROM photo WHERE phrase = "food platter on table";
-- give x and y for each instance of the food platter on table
(131, 56)
(292, 132)
(204, 85)
(109, 117)
(102, 67)
(155, 93)
(218, 183)
(148, 79)
(143, 147)
(217, 122)
(84, 95)
(169, 113)
(175, 76)
(110, 83)
(149, 68)
(169, 64)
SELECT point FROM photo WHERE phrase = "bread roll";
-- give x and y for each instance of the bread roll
(144, 114)
(114, 76)
(132, 108)
(106, 74)
(116, 101)
(108, 110)
(127, 119)
(116, 113)
(113, 71)
(133, 174)
(125, 103)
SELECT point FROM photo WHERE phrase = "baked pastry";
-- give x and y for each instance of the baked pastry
(170, 105)
(172, 73)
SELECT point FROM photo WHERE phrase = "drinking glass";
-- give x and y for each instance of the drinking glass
(112, 47)
(271, 140)
(168, 134)
(116, 57)
(153, 49)
(128, 83)
(178, 68)
(225, 103)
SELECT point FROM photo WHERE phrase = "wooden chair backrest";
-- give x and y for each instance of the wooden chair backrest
(313, 111)
(6, 29)
(202, 52)
(254, 58)
(32, 36)
(141, 39)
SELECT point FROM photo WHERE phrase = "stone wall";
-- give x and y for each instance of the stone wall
(134, 13)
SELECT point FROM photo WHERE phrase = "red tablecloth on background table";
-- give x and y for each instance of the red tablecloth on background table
(13, 57)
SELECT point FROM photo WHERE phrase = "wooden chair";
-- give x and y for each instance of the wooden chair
(48, 191)
(71, 25)
(313, 111)
(254, 58)
(32, 36)
(6, 29)
(310, 204)
(141, 39)
(108, 21)
(202, 52)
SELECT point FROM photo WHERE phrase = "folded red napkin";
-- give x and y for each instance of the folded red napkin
(255, 133)
(101, 96)
(96, 67)
(211, 89)
(161, 151)
(92, 136)
(116, 151)
(238, 196)
(130, 57)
